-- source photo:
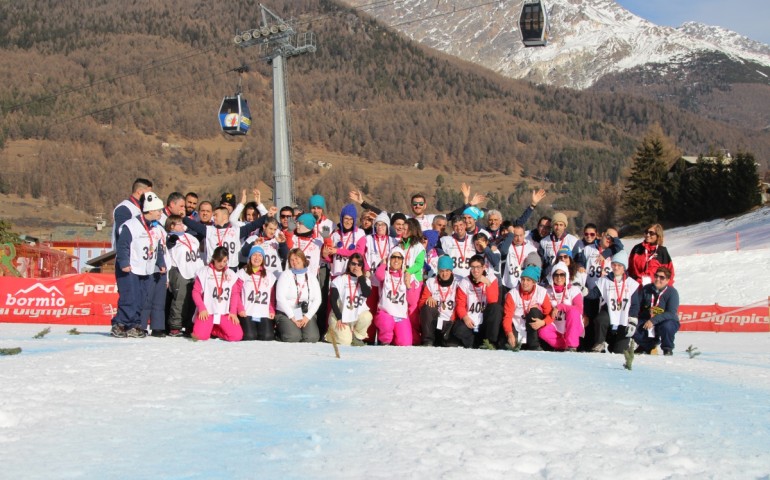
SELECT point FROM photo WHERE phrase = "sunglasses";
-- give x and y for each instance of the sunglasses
(286, 216)
(418, 204)
(651, 233)
(589, 234)
(394, 257)
(661, 277)
(355, 264)
(559, 275)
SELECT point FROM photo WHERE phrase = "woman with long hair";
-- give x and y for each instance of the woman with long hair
(646, 257)
(350, 316)
(254, 294)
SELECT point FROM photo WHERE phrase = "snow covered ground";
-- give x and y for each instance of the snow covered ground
(91, 406)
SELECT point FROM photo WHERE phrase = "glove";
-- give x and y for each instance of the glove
(326, 232)
(291, 225)
(631, 328)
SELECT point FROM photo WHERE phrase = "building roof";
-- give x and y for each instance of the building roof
(86, 233)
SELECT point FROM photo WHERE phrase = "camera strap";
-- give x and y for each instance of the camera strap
(300, 288)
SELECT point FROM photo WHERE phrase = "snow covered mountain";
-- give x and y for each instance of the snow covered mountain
(589, 38)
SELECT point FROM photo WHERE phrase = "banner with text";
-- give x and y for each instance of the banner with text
(80, 299)
(716, 318)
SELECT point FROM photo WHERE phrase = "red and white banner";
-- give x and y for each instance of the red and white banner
(80, 299)
(716, 318)
(92, 299)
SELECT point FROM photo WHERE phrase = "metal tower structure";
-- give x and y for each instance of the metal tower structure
(278, 40)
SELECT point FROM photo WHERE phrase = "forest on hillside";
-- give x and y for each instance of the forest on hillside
(104, 81)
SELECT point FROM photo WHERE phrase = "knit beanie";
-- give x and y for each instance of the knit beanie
(531, 272)
(560, 218)
(307, 220)
(317, 201)
(445, 263)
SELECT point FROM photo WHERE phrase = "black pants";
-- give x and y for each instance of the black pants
(488, 330)
(431, 335)
(600, 328)
(261, 330)
(322, 316)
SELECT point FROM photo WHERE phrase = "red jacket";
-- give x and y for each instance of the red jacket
(645, 258)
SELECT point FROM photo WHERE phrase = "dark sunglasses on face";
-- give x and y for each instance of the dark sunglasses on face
(287, 216)
(355, 264)
(651, 233)
(559, 275)
(418, 204)
(589, 234)
(396, 257)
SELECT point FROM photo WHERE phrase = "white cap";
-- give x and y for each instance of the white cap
(151, 202)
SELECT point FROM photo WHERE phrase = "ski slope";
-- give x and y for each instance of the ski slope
(90, 406)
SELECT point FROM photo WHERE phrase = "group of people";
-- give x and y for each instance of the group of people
(241, 271)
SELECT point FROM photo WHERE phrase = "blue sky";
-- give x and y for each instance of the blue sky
(747, 17)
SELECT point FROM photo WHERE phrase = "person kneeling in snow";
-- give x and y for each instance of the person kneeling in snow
(659, 314)
(567, 327)
(212, 294)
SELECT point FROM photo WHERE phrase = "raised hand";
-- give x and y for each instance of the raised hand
(356, 196)
(537, 195)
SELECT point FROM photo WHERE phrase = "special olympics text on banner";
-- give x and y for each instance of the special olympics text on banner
(80, 299)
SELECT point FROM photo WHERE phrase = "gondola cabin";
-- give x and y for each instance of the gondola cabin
(533, 24)
(234, 115)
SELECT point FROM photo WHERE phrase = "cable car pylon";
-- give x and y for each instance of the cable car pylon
(278, 40)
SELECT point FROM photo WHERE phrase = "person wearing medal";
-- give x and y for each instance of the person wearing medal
(646, 257)
(254, 294)
(414, 264)
(350, 316)
(344, 242)
(392, 319)
(527, 309)
(551, 244)
(658, 315)
(139, 256)
(477, 308)
(437, 305)
(459, 247)
(214, 301)
(618, 309)
(298, 298)
(517, 253)
(184, 262)
(564, 332)
(377, 247)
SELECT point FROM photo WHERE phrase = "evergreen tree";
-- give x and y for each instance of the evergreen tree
(745, 185)
(645, 191)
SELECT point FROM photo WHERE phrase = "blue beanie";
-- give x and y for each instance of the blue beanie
(307, 220)
(532, 272)
(474, 212)
(622, 258)
(565, 250)
(317, 201)
(445, 262)
(256, 249)
(349, 210)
